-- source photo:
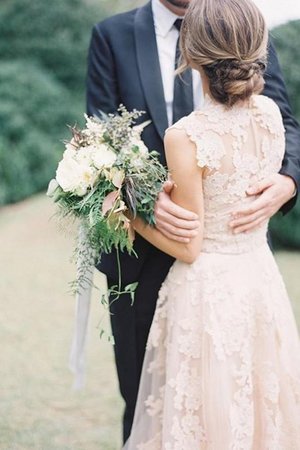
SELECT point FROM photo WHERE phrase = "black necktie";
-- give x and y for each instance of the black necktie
(183, 103)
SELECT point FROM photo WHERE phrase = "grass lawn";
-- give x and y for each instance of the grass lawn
(38, 408)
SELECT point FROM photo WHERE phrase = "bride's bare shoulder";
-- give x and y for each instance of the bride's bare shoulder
(179, 143)
(178, 135)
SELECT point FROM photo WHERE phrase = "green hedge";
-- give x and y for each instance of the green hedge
(286, 40)
(55, 33)
(34, 109)
(285, 230)
(43, 50)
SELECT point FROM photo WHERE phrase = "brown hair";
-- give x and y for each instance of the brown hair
(228, 40)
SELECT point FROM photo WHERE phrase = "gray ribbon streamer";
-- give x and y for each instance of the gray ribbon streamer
(82, 310)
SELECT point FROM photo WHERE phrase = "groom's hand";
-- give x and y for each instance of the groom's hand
(173, 221)
(273, 193)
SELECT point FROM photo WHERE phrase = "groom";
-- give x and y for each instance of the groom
(132, 58)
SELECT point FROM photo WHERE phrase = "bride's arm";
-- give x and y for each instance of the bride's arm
(182, 163)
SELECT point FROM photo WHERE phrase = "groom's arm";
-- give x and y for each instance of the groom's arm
(101, 83)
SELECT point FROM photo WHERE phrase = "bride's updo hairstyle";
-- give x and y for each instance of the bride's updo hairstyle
(228, 40)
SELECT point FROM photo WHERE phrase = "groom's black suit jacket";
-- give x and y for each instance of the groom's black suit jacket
(123, 67)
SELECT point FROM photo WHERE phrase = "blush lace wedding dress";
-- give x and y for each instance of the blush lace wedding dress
(222, 365)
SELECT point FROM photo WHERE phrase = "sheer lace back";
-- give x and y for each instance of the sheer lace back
(235, 147)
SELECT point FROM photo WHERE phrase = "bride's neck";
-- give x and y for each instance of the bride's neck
(205, 83)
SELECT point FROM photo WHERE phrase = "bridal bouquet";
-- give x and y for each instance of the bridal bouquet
(106, 172)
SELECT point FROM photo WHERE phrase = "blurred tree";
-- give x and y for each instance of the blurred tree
(286, 40)
(55, 34)
(43, 50)
(34, 109)
(117, 6)
(285, 231)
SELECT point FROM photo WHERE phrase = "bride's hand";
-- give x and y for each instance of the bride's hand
(273, 193)
(172, 220)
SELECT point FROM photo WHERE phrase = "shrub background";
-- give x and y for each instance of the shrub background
(285, 230)
(43, 51)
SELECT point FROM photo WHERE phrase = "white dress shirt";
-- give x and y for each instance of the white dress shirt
(166, 38)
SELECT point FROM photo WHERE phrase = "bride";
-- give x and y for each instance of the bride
(222, 366)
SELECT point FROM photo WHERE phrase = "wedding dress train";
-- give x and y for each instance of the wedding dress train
(222, 364)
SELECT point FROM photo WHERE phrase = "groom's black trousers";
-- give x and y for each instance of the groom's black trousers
(130, 327)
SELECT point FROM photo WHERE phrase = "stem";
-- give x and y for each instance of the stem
(119, 271)
(113, 291)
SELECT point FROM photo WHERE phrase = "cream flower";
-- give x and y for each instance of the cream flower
(75, 177)
(104, 157)
(70, 150)
(85, 155)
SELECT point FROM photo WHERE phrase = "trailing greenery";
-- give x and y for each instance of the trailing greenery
(285, 230)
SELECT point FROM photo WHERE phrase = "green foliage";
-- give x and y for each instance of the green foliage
(285, 230)
(55, 34)
(34, 109)
(286, 40)
(43, 51)
(118, 6)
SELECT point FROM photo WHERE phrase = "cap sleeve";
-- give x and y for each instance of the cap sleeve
(209, 145)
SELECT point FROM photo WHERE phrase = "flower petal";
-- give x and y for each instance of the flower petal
(118, 178)
(109, 201)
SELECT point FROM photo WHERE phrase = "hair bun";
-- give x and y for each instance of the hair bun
(227, 39)
(232, 80)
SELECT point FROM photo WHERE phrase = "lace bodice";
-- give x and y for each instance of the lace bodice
(235, 147)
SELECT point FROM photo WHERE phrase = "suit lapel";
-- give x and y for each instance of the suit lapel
(149, 67)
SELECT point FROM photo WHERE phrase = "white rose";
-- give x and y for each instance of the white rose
(85, 155)
(74, 177)
(67, 174)
(70, 151)
(88, 178)
(104, 157)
